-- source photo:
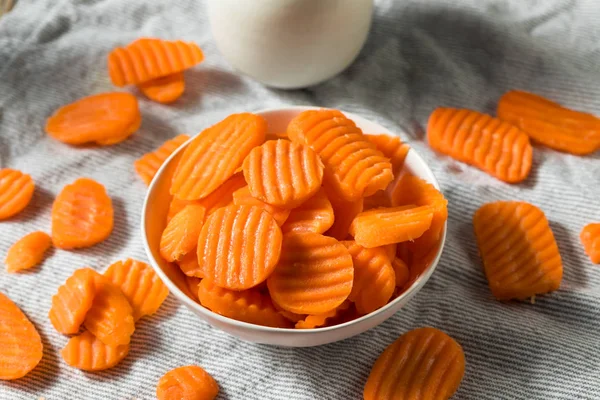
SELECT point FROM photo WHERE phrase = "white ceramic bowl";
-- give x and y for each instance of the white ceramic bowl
(154, 214)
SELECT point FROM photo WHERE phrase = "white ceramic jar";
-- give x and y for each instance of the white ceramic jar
(290, 44)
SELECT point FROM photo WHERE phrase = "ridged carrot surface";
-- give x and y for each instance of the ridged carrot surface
(391, 147)
(314, 215)
(16, 190)
(150, 58)
(383, 226)
(422, 364)
(72, 301)
(189, 265)
(223, 195)
(180, 237)
(410, 189)
(353, 165)
(165, 89)
(216, 154)
(551, 124)
(246, 305)
(520, 256)
(105, 118)
(243, 197)
(82, 215)
(28, 251)
(192, 284)
(140, 284)
(187, 383)
(177, 205)
(148, 165)
(88, 353)
(374, 278)
(590, 238)
(344, 213)
(318, 320)
(290, 316)
(282, 173)
(239, 247)
(494, 146)
(377, 200)
(110, 318)
(401, 272)
(313, 276)
(21, 346)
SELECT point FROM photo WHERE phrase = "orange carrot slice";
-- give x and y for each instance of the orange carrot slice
(391, 147)
(177, 205)
(378, 200)
(192, 284)
(21, 346)
(28, 251)
(149, 58)
(424, 363)
(72, 301)
(316, 321)
(401, 272)
(384, 226)
(590, 238)
(110, 318)
(165, 89)
(344, 213)
(243, 197)
(190, 382)
(494, 146)
(87, 353)
(313, 276)
(223, 195)
(520, 256)
(353, 165)
(148, 165)
(282, 173)
(189, 265)
(390, 251)
(105, 118)
(247, 305)
(215, 154)
(16, 190)
(238, 247)
(374, 278)
(180, 237)
(140, 284)
(314, 215)
(290, 316)
(82, 215)
(551, 124)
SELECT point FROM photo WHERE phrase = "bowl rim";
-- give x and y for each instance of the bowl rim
(197, 307)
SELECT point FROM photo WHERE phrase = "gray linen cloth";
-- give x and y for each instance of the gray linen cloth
(419, 55)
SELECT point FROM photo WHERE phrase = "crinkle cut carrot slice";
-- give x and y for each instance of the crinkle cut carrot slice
(72, 301)
(590, 238)
(190, 382)
(82, 215)
(314, 215)
(146, 59)
(16, 190)
(390, 250)
(344, 213)
(177, 205)
(21, 346)
(494, 146)
(105, 118)
(551, 124)
(110, 318)
(239, 247)
(374, 278)
(246, 305)
(180, 237)
(28, 251)
(353, 165)
(401, 272)
(189, 265)
(223, 195)
(148, 165)
(391, 147)
(385, 226)
(290, 316)
(165, 89)
(140, 284)
(192, 284)
(313, 276)
(243, 197)
(424, 363)
(316, 321)
(215, 155)
(520, 256)
(282, 173)
(88, 353)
